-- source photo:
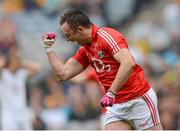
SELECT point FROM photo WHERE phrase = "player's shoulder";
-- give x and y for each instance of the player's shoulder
(81, 50)
(108, 31)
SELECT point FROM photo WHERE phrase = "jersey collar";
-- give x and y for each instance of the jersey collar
(94, 31)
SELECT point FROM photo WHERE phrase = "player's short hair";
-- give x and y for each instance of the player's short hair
(75, 18)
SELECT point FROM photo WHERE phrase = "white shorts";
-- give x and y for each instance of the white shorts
(141, 113)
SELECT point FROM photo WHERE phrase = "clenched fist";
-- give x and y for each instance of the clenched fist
(108, 99)
(48, 39)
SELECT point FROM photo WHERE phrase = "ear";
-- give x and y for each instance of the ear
(80, 29)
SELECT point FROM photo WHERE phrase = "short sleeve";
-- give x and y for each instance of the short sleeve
(113, 41)
(116, 45)
(81, 57)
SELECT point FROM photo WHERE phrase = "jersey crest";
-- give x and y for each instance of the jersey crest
(100, 54)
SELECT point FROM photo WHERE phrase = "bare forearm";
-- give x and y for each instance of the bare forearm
(56, 64)
(122, 76)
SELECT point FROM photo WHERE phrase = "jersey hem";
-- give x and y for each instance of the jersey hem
(131, 98)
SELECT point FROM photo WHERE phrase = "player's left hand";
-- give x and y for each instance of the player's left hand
(108, 99)
(48, 39)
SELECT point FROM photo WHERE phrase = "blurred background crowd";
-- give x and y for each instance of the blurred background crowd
(152, 29)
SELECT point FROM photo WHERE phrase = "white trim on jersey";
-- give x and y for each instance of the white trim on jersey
(113, 44)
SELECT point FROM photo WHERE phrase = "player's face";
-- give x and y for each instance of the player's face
(70, 35)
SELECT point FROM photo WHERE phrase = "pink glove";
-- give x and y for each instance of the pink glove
(108, 99)
(49, 39)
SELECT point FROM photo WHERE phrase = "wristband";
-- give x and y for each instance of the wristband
(49, 49)
(112, 92)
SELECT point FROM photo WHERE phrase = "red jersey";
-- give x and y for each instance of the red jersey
(91, 75)
(99, 54)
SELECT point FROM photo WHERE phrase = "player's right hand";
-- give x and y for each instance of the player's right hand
(108, 99)
(48, 39)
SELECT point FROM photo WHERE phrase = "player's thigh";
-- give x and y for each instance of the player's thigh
(144, 114)
(118, 125)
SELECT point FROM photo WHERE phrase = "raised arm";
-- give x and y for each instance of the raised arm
(63, 71)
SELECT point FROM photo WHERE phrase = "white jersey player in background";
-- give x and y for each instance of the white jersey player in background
(14, 110)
